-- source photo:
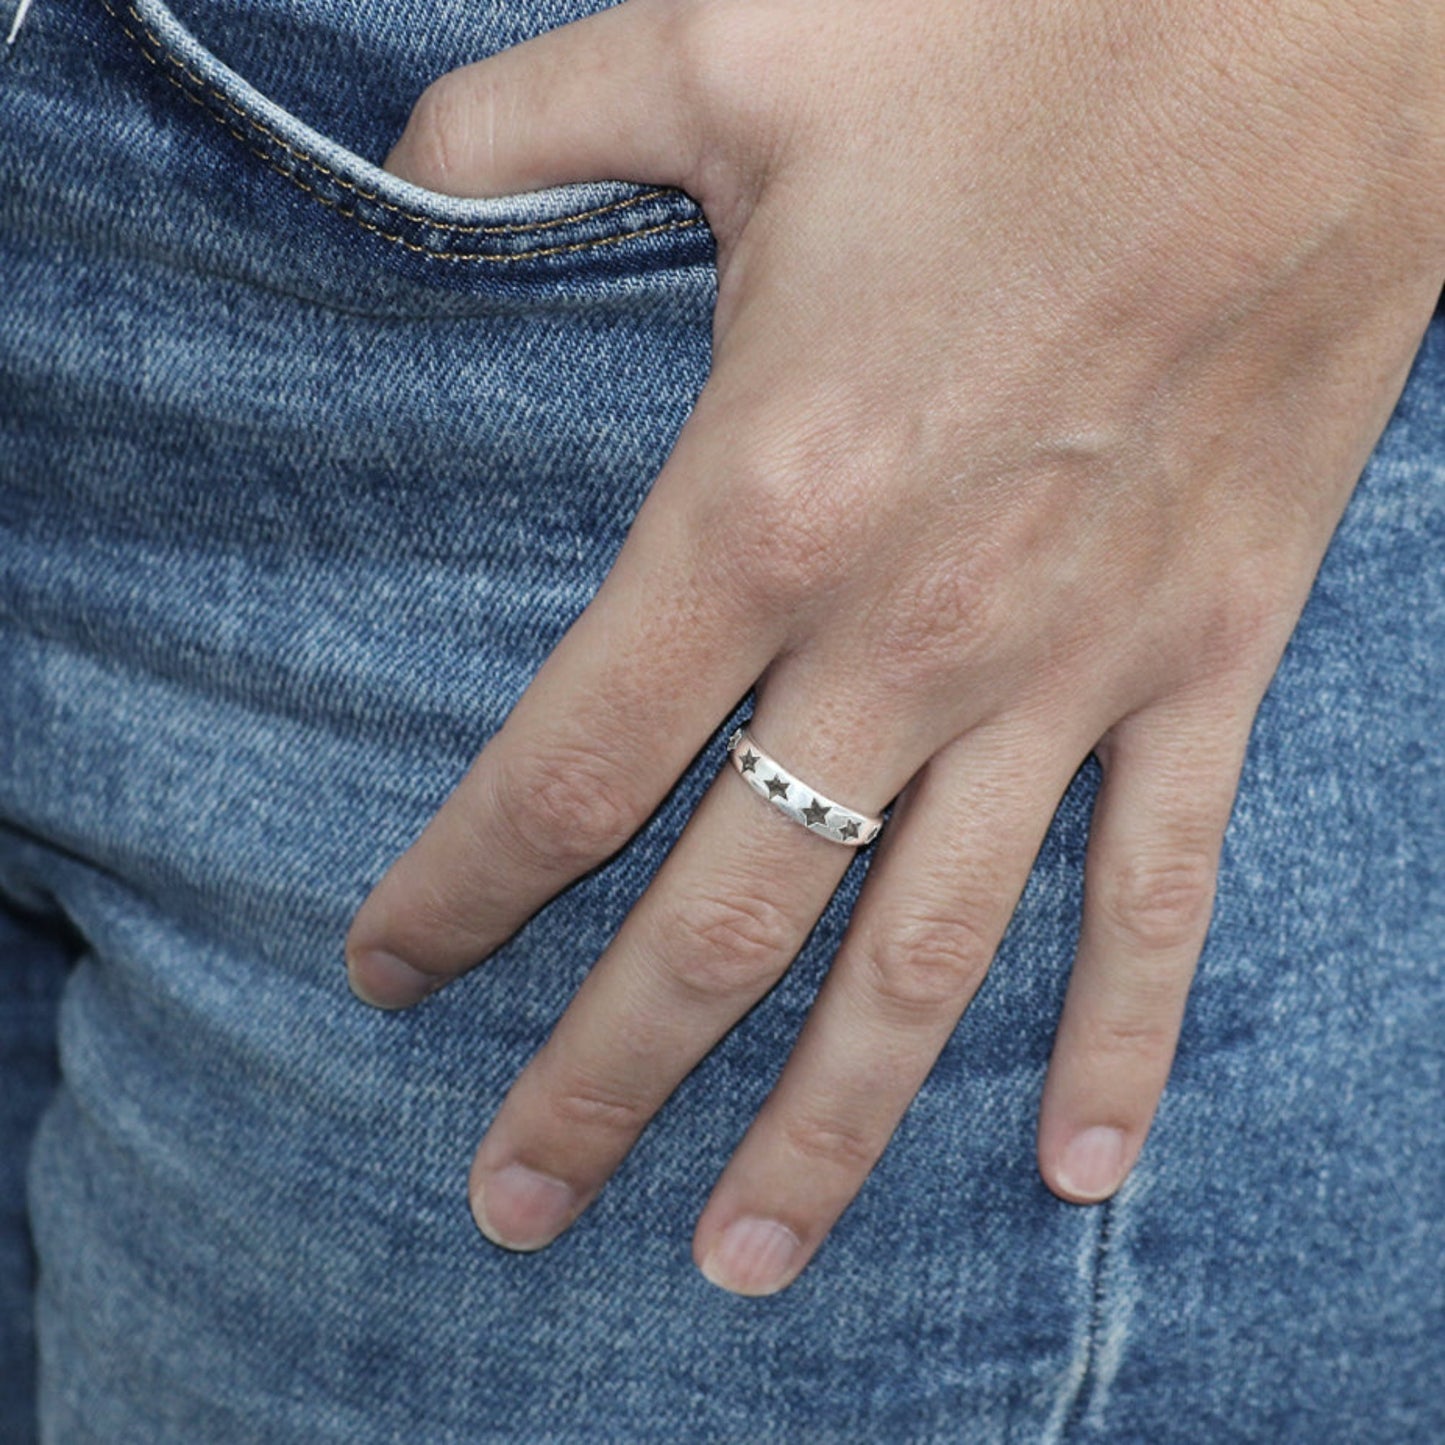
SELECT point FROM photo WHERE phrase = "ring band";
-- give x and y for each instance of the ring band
(803, 804)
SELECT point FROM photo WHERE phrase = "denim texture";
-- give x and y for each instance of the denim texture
(303, 472)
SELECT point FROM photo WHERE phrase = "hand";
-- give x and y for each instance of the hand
(1051, 339)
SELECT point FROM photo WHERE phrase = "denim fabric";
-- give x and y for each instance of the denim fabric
(303, 472)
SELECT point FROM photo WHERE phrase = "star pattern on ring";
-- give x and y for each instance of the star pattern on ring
(849, 829)
(749, 761)
(777, 788)
(815, 814)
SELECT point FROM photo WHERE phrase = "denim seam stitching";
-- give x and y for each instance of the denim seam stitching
(361, 191)
(159, 47)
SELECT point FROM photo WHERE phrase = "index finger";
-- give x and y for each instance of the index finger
(657, 660)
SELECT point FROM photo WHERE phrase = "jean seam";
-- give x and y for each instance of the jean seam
(1073, 1416)
(155, 51)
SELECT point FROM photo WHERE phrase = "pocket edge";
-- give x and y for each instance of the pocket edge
(443, 227)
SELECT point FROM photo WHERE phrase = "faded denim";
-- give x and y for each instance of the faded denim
(302, 474)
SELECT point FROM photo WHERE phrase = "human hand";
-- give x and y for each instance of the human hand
(1051, 339)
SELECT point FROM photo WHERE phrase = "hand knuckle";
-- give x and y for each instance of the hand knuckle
(1138, 1034)
(727, 946)
(1159, 904)
(934, 623)
(780, 572)
(565, 808)
(585, 1103)
(919, 968)
(1243, 618)
(817, 1140)
(1258, 630)
(776, 560)
(793, 530)
(723, 55)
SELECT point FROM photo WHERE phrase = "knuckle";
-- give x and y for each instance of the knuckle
(1258, 628)
(564, 809)
(1244, 619)
(831, 1141)
(727, 946)
(934, 623)
(793, 529)
(917, 969)
(769, 549)
(1159, 904)
(1137, 1034)
(587, 1104)
(726, 55)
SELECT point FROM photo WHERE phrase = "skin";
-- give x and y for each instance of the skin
(1068, 326)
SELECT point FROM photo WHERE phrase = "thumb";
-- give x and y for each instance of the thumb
(595, 100)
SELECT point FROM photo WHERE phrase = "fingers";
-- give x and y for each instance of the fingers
(953, 862)
(1170, 776)
(722, 921)
(615, 714)
(597, 99)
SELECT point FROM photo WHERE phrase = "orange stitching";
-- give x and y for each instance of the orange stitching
(361, 191)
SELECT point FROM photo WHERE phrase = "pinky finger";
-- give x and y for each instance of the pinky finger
(1170, 777)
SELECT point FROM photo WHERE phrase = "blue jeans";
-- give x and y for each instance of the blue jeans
(302, 474)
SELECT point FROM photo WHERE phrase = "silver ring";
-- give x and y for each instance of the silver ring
(803, 804)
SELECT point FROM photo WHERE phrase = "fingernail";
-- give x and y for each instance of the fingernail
(519, 1208)
(1093, 1162)
(753, 1256)
(384, 981)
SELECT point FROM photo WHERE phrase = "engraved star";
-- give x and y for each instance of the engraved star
(849, 829)
(777, 788)
(873, 833)
(815, 814)
(736, 738)
(748, 761)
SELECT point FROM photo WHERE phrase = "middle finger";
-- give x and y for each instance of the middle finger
(712, 934)
(960, 847)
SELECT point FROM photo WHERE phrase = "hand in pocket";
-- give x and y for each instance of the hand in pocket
(1050, 342)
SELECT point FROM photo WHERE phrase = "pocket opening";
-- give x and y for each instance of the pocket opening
(522, 226)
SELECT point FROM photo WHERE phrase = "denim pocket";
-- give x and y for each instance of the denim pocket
(562, 221)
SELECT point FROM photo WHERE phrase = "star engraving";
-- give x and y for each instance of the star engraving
(873, 833)
(736, 738)
(815, 814)
(777, 788)
(850, 828)
(749, 761)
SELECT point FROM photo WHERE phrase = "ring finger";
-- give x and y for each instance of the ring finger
(937, 901)
(720, 924)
